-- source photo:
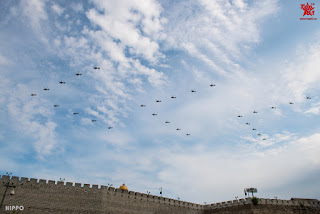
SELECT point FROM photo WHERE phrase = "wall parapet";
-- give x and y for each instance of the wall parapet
(264, 201)
(98, 189)
(95, 189)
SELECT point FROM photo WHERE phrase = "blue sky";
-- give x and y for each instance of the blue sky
(257, 54)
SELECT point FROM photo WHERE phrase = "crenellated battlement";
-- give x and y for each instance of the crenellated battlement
(85, 197)
(263, 201)
(94, 189)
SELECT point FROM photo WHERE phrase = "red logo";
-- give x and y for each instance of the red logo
(308, 10)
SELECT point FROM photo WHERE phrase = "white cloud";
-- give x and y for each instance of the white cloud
(78, 7)
(47, 137)
(116, 138)
(30, 116)
(313, 110)
(191, 48)
(114, 50)
(240, 4)
(57, 9)
(219, 33)
(122, 23)
(301, 75)
(266, 140)
(4, 60)
(228, 172)
(35, 11)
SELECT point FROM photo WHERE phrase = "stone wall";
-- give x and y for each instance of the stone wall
(41, 196)
(263, 201)
(264, 206)
(264, 209)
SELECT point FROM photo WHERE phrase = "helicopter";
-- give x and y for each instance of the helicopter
(255, 112)
(308, 98)
(96, 67)
(247, 123)
(239, 116)
(212, 85)
(264, 139)
(167, 122)
(55, 106)
(110, 127)
(193, 91)
(273, 107)
(187, 134)
(33, 95)
(254, 129)
(173, 97)
(158, 101)
(46, 89)
(61, 82)
(75, 113)
(154, 114)
(78, 74)
(178, 129)
(259, 134)
(142, 105)
(93, 121)
(291, 103)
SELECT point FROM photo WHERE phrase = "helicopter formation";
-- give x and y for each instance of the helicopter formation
(174, 97)
(272, 107)
(63, 83)
(159, 101)
(111, 127)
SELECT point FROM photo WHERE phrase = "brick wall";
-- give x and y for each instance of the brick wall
(41, 196)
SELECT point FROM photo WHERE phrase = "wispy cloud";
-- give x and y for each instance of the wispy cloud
(35, 12)
(32, 119)
(226, 39)
(301, 75)
(122, 23)
(4, 60)
(57, 9)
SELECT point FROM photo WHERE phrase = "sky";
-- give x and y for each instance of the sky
(238, 57)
